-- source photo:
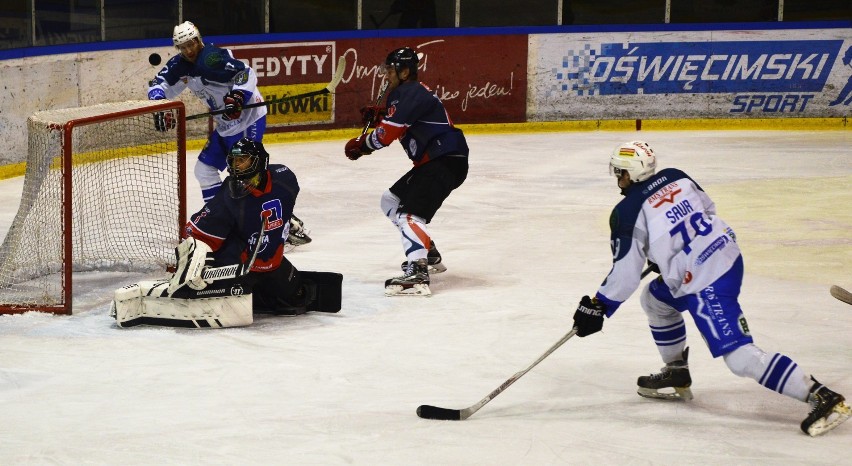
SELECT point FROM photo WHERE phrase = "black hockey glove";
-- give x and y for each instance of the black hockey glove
(164, 121)
(372, 114)
(233, 105)
(589, 316)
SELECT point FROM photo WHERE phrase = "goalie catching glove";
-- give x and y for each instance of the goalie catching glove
(193, 256)
(234, 101)
(589, 316)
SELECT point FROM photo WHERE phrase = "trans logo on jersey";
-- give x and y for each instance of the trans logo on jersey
(698, 67)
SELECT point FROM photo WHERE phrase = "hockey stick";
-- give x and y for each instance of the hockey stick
(841, 294)
(382, 90)
(328, 89)
(235, 270)
(444, 414)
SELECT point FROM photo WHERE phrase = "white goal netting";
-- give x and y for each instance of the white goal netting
(103, 191)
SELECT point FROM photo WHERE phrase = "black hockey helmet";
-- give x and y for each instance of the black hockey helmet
(404, 57)
(246, 173)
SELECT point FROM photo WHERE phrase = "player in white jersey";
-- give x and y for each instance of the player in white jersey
(224, 83)
(666, 219)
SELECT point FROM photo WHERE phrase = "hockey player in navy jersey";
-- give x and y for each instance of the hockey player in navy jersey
(439, 152)
(224, 83)
(666, 219)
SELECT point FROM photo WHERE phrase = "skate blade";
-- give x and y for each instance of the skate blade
(437, 268)
(420, 289)
(680, 393)
(838, 415)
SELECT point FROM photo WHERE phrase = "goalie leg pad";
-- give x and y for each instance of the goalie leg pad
(323, 291)
(148, 303)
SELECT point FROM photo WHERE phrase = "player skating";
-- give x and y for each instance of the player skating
(418, 119)
(668, 220)
(241, 224)
(224, 83)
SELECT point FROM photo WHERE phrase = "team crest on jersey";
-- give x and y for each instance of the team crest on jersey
(391, 110)
(241, 78)
(213, 60)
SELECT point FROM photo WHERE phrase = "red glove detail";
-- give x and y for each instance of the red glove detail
(233, 105)
(164, 121)
(372, 114)
(355, 148)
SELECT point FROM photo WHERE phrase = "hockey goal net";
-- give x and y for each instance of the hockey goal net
(103, 191)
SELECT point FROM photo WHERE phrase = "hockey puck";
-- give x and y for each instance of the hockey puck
(154, 59)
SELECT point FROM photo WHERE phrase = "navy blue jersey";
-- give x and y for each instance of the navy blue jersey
(230, 226)
(419, 120)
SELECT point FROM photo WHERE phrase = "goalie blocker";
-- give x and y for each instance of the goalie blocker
(223, 303)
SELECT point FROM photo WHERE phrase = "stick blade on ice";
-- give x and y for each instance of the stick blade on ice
(841, 294)
(440, 414)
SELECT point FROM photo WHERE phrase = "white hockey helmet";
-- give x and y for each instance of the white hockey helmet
(635, 157)
(185, 32)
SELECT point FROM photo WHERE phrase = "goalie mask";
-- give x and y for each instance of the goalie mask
(636, 158)
(185, 32)
(247, 162)
(401, 58)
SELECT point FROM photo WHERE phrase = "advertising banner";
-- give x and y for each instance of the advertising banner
(694, 74)
(479, 78)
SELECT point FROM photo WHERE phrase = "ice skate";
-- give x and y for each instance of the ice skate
(674, 375)
(414, 282)
(828, 410)
(434, 258)
(298, 235)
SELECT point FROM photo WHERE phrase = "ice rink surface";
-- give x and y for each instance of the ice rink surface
(523, 239)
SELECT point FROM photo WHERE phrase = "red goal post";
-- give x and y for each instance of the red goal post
(104, 190)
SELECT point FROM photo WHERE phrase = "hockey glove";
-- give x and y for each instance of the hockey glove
(589, 317)
(372, 114)
(164, 121)
(193, 256)
(233, 105)
(355, 149)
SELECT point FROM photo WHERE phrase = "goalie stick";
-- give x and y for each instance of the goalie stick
(445, 414)
(328, 89)
(235, 270)
(841, 294)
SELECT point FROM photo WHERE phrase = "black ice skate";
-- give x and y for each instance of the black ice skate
(434, 257)
(828, 410)
(298, 235)
(674, 375)
(414, 282)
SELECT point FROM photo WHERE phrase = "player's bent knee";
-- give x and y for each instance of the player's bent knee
(207, 175)
(654, 307)
(148, 303)
(390, 204)
(746, 361)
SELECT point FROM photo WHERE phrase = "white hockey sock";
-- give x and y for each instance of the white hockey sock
(209, 180)
(667, 327)
(774, 371)
(415, 238)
